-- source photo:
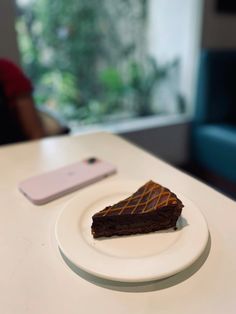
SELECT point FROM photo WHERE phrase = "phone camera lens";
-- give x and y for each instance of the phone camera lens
(92, 160)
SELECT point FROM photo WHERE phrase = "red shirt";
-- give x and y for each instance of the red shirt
(13, 81)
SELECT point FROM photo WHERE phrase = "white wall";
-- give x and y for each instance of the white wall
(170, 142)
(175, 31)
(218, 29)
(8, 44)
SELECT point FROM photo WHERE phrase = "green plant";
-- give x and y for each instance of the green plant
(81, 61)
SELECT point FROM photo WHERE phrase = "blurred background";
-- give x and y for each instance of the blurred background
(160, 73)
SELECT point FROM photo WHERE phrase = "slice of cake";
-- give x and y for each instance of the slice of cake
(152, 207)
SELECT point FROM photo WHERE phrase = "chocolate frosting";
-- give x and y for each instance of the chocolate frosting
(148, 198)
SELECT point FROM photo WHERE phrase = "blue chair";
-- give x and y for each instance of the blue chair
(213, 141)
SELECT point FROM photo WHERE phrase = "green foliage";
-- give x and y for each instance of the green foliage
(79, 61)
(112, 80)
(142, 80)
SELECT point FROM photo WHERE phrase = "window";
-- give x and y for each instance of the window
(95, 61)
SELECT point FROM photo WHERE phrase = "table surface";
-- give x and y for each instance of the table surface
(34, 277)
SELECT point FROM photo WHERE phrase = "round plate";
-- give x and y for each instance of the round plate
(134, 258)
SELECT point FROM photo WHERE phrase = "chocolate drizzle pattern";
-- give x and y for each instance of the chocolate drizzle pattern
(150, 197)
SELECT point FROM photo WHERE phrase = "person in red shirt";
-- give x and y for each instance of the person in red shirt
(18, 116)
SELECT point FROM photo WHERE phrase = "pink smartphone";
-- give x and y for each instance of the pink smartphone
(48, 186)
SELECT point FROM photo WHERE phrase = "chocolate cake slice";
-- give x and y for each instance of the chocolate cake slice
(152, 207)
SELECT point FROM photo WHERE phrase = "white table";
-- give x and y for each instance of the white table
(35, 279)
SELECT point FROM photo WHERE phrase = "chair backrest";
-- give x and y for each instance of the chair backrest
(216, 91)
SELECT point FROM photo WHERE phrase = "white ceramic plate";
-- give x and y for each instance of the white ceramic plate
(134, 258)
